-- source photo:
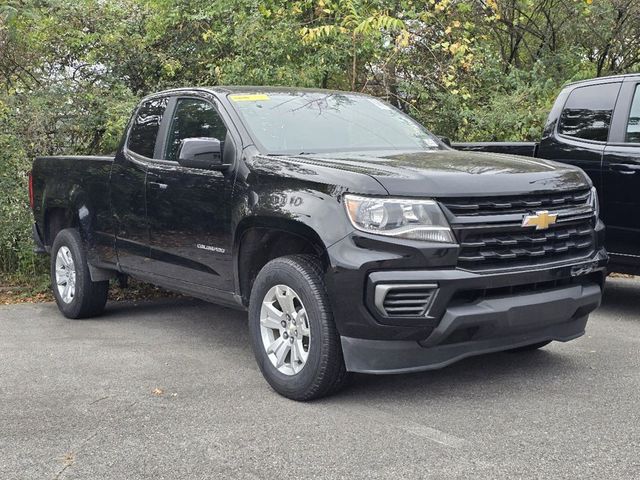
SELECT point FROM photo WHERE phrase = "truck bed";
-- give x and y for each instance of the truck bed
(70, 183)
(527, 149)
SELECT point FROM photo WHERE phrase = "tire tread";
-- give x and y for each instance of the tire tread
(92, 296)
(335, 376)
(332, 374)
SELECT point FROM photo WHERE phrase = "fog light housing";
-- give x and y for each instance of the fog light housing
(404, 299)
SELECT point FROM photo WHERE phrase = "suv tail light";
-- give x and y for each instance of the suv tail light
(31, 200)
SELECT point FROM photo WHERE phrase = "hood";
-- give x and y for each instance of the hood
(452, 173)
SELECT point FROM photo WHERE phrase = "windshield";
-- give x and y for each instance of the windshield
(316, 122)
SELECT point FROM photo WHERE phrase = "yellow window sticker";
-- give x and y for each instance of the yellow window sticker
(248, 97)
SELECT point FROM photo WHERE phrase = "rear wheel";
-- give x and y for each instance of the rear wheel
(76, 294)
(528, 348)
(293, 335)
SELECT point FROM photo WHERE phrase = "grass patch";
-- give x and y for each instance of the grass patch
(18, 289)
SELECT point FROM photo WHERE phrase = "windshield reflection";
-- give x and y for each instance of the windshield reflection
(300, 123)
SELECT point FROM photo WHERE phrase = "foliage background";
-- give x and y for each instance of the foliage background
(71, 71)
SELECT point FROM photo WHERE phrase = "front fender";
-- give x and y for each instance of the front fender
(311, 195)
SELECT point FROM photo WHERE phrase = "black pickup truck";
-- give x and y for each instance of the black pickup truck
(357, 241)
(595, 125)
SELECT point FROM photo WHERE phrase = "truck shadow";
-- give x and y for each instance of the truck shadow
(206, 325)
(621, 297)
(211, 328)
(506, 374)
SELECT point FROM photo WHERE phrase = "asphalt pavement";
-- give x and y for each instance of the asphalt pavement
(169, 390)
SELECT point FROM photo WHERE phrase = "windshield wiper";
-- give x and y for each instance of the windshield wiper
(290, 154)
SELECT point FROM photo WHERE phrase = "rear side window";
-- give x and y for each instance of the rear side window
(587, 112)
(144, 131)
(632, 134)
(193, 118)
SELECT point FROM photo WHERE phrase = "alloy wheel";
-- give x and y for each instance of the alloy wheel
(285, 329)
(65, 275)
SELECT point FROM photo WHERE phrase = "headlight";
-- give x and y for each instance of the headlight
(594, 202)
(399, 217)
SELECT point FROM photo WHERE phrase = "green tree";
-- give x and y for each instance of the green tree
(70, 72)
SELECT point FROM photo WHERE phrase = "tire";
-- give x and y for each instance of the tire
(84, 298)
(529, 348)
(323, 371)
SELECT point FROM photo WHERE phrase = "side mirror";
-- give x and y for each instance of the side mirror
(204, 153)
(446, 141)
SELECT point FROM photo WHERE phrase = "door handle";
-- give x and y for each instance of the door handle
(158, 185)
(624, 168)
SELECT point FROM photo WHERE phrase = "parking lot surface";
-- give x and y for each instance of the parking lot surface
(169, 389)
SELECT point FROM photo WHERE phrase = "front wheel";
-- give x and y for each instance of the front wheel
(293, 335)
(76, 294)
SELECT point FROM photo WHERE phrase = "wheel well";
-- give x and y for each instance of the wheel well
(56, 219)
(259, 245)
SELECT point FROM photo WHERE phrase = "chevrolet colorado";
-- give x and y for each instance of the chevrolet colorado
(595, 125)
(357, 241)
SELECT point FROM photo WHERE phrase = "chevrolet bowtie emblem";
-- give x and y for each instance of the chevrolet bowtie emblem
(541, 220)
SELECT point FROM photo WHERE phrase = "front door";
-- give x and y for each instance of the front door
(621, 175)
(188, 208)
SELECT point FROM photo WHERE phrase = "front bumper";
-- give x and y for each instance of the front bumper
(471, 313)
(489, 325)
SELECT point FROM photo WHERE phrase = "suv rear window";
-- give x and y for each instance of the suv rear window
(144, 131)
(587, 112)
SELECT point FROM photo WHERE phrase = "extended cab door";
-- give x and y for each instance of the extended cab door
(620, 197)
(188, 208)
(127, 184)
(580, 134)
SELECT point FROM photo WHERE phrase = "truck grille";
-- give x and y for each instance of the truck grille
(519, 204)
(512, 246)
(491, 235)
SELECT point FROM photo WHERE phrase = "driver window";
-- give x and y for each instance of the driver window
(193, 118)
